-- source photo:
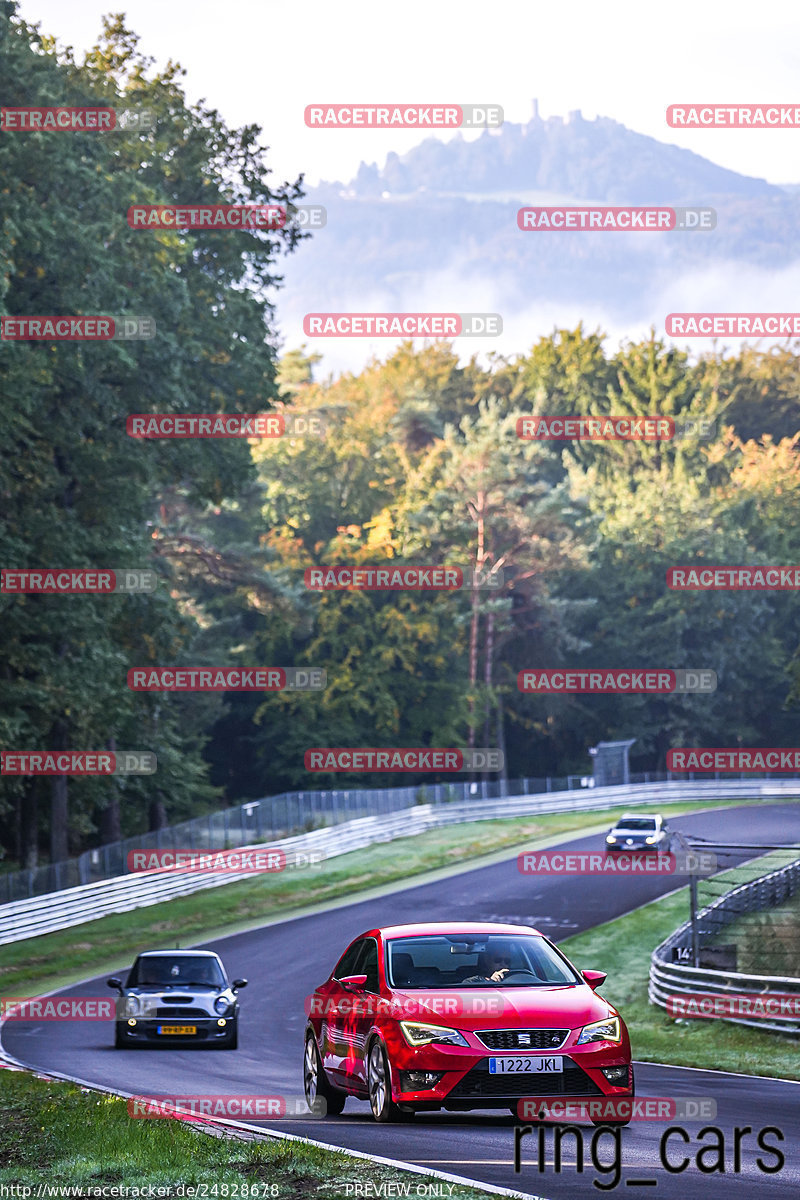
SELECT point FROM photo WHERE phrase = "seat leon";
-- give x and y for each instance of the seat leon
(416, 1018)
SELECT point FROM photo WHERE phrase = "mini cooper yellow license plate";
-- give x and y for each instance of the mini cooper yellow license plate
(176, 1030)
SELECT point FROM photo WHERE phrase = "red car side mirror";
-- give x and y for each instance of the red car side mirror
(595, 979)
(354, 983)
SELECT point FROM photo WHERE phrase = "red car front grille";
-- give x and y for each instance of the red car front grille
(572, 1081)
(522, 1039)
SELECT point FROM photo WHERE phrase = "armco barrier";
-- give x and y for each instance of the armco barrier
(678, 979)
(253, 822)
(74, 906)
(273, 818)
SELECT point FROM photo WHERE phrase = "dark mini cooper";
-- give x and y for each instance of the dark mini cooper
(179, 997)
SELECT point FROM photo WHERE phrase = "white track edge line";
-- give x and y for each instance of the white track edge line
(280, 1135)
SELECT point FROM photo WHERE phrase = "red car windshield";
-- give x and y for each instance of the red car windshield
(456, 960)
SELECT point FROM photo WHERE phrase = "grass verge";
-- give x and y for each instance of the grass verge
(59, 1134)
(623, 947)
(768, 942)
(55, 960)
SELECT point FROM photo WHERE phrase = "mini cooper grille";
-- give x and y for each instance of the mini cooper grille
(175, 1011)
(522, 1039)
(572, 1081)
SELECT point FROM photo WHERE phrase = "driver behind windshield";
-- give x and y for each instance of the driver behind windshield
(493, 965)
(190, 972)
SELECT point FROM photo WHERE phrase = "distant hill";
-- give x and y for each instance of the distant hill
(436, 230)
(590, 160)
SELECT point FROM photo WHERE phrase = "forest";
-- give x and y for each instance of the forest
(414, 460)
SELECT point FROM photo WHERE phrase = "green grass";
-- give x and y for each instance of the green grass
(768, 942)
(60, 1134)
(623, 947)
(55, 960)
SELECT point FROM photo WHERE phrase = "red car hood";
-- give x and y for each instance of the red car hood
(503, 1008)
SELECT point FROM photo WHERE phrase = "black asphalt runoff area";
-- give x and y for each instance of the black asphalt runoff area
(285, 962)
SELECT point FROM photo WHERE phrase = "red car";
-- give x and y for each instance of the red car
(416, 1018)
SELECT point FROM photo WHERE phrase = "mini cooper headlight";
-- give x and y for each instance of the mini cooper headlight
(600, 1031)
(132, 1006)
(611, 838)
(649, 840)
(417, 1034)
(221, 1005)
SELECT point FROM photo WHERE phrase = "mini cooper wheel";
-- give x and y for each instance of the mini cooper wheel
(120, 1041)
(232, 1040)
(316, 1085)
(379, 1081)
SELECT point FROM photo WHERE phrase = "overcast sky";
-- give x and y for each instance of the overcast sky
(265, 60)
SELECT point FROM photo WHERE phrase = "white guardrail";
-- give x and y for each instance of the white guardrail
(681, 981)
(74, 906)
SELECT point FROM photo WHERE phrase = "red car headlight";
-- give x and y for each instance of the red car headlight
(607, 1030)
(418, 1034)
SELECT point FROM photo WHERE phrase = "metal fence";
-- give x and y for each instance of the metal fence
(61, 910)
(739, 927)
(736, 922)
(254, 821)
(275, 817)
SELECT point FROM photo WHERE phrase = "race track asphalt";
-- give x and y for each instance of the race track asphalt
(284, 962)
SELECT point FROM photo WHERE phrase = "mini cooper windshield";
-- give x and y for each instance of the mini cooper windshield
(163, 971)
(459, 960)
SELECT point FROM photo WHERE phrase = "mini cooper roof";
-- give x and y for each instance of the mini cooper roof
(179, 953)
